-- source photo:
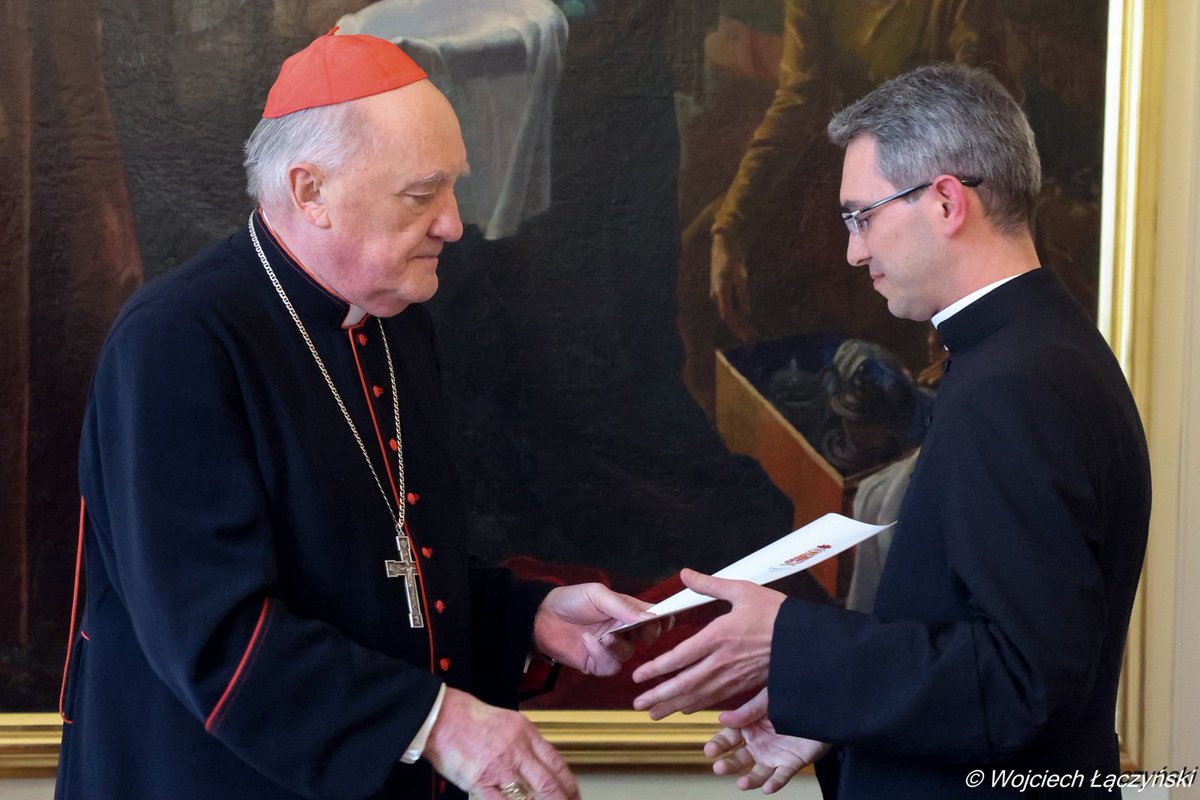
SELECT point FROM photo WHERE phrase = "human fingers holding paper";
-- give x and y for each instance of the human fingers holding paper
(572, 623)
(729, 656)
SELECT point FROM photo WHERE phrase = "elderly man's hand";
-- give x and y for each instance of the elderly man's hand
(749, 742)
(572, 621)
(730, 655)
(480, 748)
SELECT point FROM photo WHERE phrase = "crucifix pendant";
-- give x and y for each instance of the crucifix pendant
(406, 568)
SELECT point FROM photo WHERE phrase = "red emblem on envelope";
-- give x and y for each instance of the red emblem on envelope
(806, 555)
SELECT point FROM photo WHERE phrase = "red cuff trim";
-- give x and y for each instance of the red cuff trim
(211, 722)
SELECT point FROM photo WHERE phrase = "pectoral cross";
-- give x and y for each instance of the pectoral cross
(406, 568)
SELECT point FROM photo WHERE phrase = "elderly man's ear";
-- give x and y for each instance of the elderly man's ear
(305, 185)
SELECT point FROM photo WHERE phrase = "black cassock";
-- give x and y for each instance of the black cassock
(241, 637)
(1000, 621)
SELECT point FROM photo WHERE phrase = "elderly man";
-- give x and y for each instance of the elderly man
(995, 644)
(279, 600)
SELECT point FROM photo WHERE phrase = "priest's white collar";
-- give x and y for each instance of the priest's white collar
(958, 305)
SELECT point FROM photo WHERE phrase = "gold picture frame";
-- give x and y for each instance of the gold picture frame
(29, 741)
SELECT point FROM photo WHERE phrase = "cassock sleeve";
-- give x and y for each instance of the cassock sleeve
(503, 608)
(1022, 523)
(181, 517)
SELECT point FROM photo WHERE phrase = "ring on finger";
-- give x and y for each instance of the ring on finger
(514, 791)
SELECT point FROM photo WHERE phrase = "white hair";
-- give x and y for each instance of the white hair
(324, 136)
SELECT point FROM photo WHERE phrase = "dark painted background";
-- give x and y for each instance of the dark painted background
(583, 452)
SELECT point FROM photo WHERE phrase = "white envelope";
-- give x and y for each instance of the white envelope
(817, 541)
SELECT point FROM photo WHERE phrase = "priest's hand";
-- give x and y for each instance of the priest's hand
(572, 621)
(480, 748)
(749, 742)
(730, 655)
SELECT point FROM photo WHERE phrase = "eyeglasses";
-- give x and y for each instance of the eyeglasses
(856, 222)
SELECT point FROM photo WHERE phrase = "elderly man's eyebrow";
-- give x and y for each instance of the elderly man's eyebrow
(436, 177)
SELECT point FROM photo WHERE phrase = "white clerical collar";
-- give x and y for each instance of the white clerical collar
(958, 305)
(354, 315)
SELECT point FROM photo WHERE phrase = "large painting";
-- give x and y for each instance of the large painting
(654, 352)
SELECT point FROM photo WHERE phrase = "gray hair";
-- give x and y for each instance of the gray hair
(956, 120)
(324, 136)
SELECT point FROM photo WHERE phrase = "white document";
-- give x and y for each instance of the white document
(817, 541)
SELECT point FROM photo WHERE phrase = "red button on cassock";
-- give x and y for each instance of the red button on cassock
(392, 443)
(377, 391)
(362, 338)
(444, 664)
(427, 552)
(440, 606)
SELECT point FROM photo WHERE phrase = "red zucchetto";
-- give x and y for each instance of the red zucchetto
(334, 69)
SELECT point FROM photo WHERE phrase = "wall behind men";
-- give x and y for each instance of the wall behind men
(582, 449)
